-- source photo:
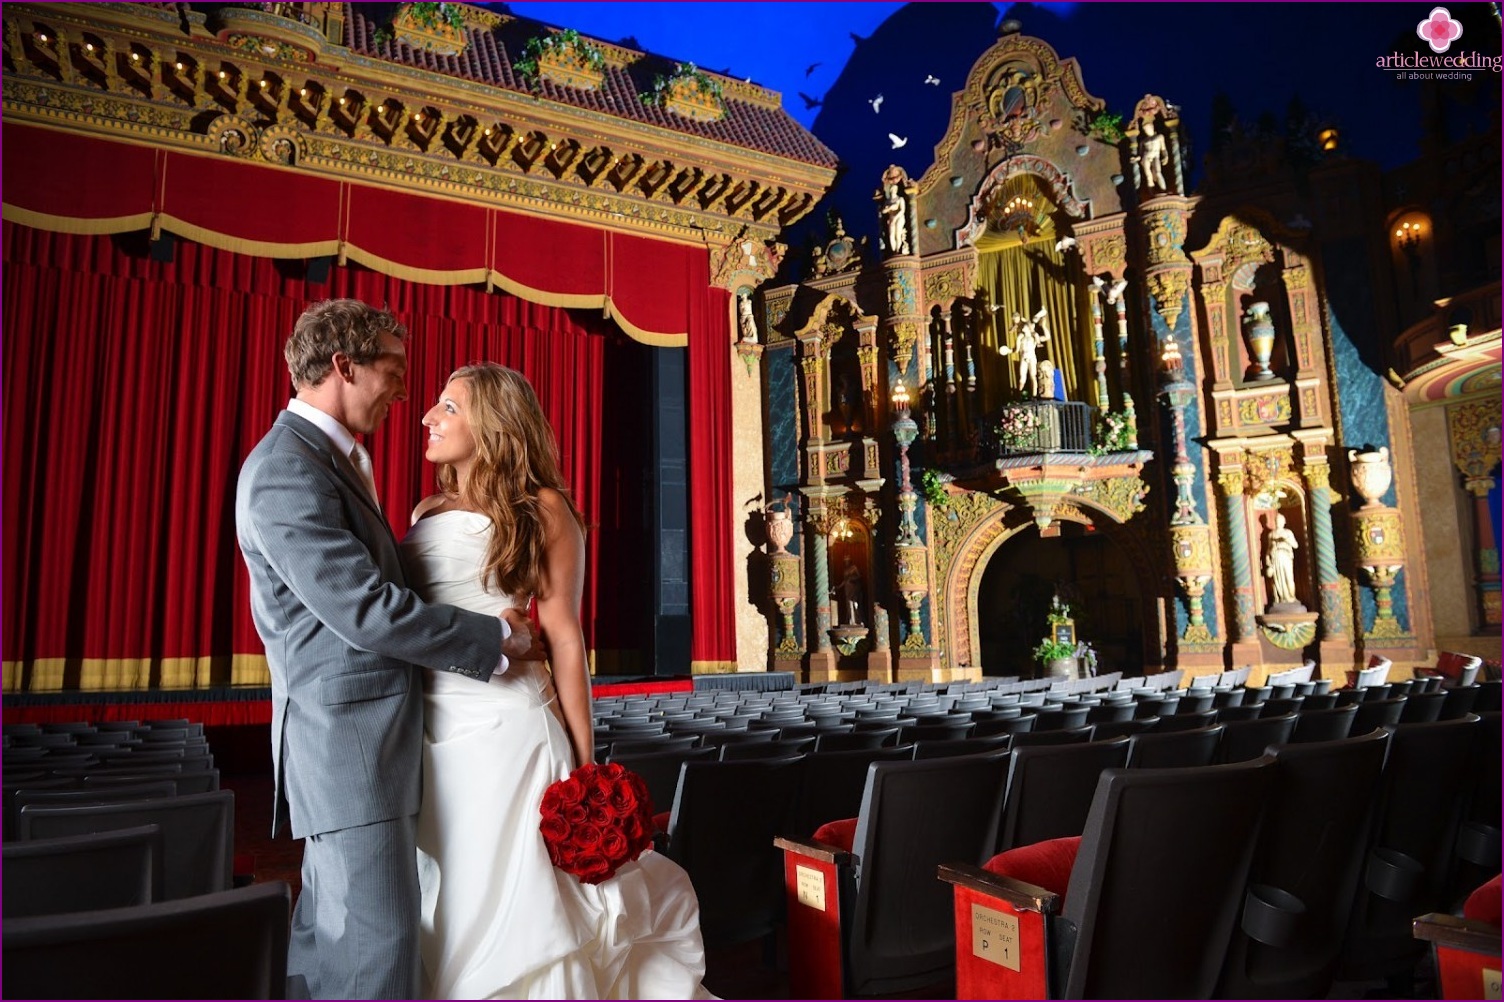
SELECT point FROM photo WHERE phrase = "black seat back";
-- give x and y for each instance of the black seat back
(1311, 848)
(1050, 789)
(725, 817)
(1174, 749)
(1163, 859)
(915, 816)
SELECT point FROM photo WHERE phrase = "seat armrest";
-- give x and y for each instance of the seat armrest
(821, 851)
(1004, 939)
(1457, 933)
(1467, 955)
(1021, 895)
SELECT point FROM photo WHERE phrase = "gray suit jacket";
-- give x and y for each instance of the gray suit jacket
(342, 635)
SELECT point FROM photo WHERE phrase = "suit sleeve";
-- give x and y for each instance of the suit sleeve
(299, 520)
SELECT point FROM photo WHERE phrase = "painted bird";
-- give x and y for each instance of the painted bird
(876, 102)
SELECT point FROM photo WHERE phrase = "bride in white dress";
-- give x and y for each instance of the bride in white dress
(499, 921)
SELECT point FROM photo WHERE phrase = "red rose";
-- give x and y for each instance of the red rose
(554, 828)
(615, 845)
(624, 799)
(593, 868)
(587, 837)
(571, 790)
(576, 814)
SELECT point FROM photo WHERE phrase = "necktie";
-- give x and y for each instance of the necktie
(362, 460)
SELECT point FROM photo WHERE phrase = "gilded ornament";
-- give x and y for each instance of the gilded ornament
(1165, 231)
(1191, 549)
(1266, 409)
(903, 336)
(965, 511)
(1291, 635)
(1474, 432)
(1379, 537)
(1168, 289)
(1242, 243)
(1231, 481)
(1107, 252)
(944, 286)
(1267, 467)
(1121, 497)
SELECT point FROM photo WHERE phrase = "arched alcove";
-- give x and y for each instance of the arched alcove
(1089, 571)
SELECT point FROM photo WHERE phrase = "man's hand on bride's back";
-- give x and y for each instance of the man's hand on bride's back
(524, 644)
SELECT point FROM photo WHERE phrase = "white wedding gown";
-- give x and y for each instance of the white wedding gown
(499, 921)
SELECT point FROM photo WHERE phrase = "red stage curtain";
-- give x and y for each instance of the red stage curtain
(133, 391)
(712, 560)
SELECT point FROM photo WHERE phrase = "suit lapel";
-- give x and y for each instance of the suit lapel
(341, 465)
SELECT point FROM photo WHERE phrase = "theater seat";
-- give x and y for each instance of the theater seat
(226, 945)
(1154, 891)
(865, 913)
(1467, 948)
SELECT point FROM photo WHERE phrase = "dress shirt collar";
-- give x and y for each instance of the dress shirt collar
(338, 433)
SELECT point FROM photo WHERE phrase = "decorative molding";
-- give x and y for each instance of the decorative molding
(398, 125)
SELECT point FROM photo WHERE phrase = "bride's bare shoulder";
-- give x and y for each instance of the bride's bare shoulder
(428, 506)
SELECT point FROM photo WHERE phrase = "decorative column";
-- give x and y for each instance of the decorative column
(1379, 540)
(910, 554)
(1190, 536)
(1098, 351)
(783, 578)
(1474, 431)
(1116, 299)
(1235, 518)
(1317, 474)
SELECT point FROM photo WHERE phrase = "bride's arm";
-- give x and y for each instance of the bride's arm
(559, 596)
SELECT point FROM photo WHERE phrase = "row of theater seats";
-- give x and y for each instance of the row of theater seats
(119, 869)
(1266, 877)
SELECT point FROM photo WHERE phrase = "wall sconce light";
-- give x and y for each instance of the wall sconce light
(1329, 139)
(1408, 236)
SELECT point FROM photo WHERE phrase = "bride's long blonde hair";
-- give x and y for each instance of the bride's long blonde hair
(516, 456)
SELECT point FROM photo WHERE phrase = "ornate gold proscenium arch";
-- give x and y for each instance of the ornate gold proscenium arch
(973, 526)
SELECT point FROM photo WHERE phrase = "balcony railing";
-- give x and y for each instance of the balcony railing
(1035, 426)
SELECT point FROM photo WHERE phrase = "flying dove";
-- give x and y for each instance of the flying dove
(932, 79)
(877, 103)
(1064, 244)
(898, 141)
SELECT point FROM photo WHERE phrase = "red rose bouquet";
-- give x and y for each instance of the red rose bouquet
(596, 820)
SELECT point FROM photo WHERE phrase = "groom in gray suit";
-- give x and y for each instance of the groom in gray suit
(342, 634)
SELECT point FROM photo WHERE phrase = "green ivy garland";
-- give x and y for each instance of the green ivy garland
(560, 42)
(430, 16)
(933, 489)
(1107, 126)
(664, 85)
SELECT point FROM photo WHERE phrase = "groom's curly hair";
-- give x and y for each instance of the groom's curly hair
(333, 326)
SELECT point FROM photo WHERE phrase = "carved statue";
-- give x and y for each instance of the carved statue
(1028, 336)
(745, 324)
(1153, 154)
(895, 215)
(1279, 562)
(851, 596)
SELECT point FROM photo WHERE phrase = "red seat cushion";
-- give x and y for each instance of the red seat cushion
(1045, 864)
(1483, 904)
(837, 833)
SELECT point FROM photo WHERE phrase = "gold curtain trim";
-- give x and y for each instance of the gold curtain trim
(329, 248)
(711, 667)
(67, 224)
(241, 245)
(587, 301)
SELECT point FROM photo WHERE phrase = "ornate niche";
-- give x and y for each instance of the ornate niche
(838, 361)
(1257, 314)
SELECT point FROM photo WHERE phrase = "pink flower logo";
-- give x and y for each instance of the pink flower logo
(1439, 30)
